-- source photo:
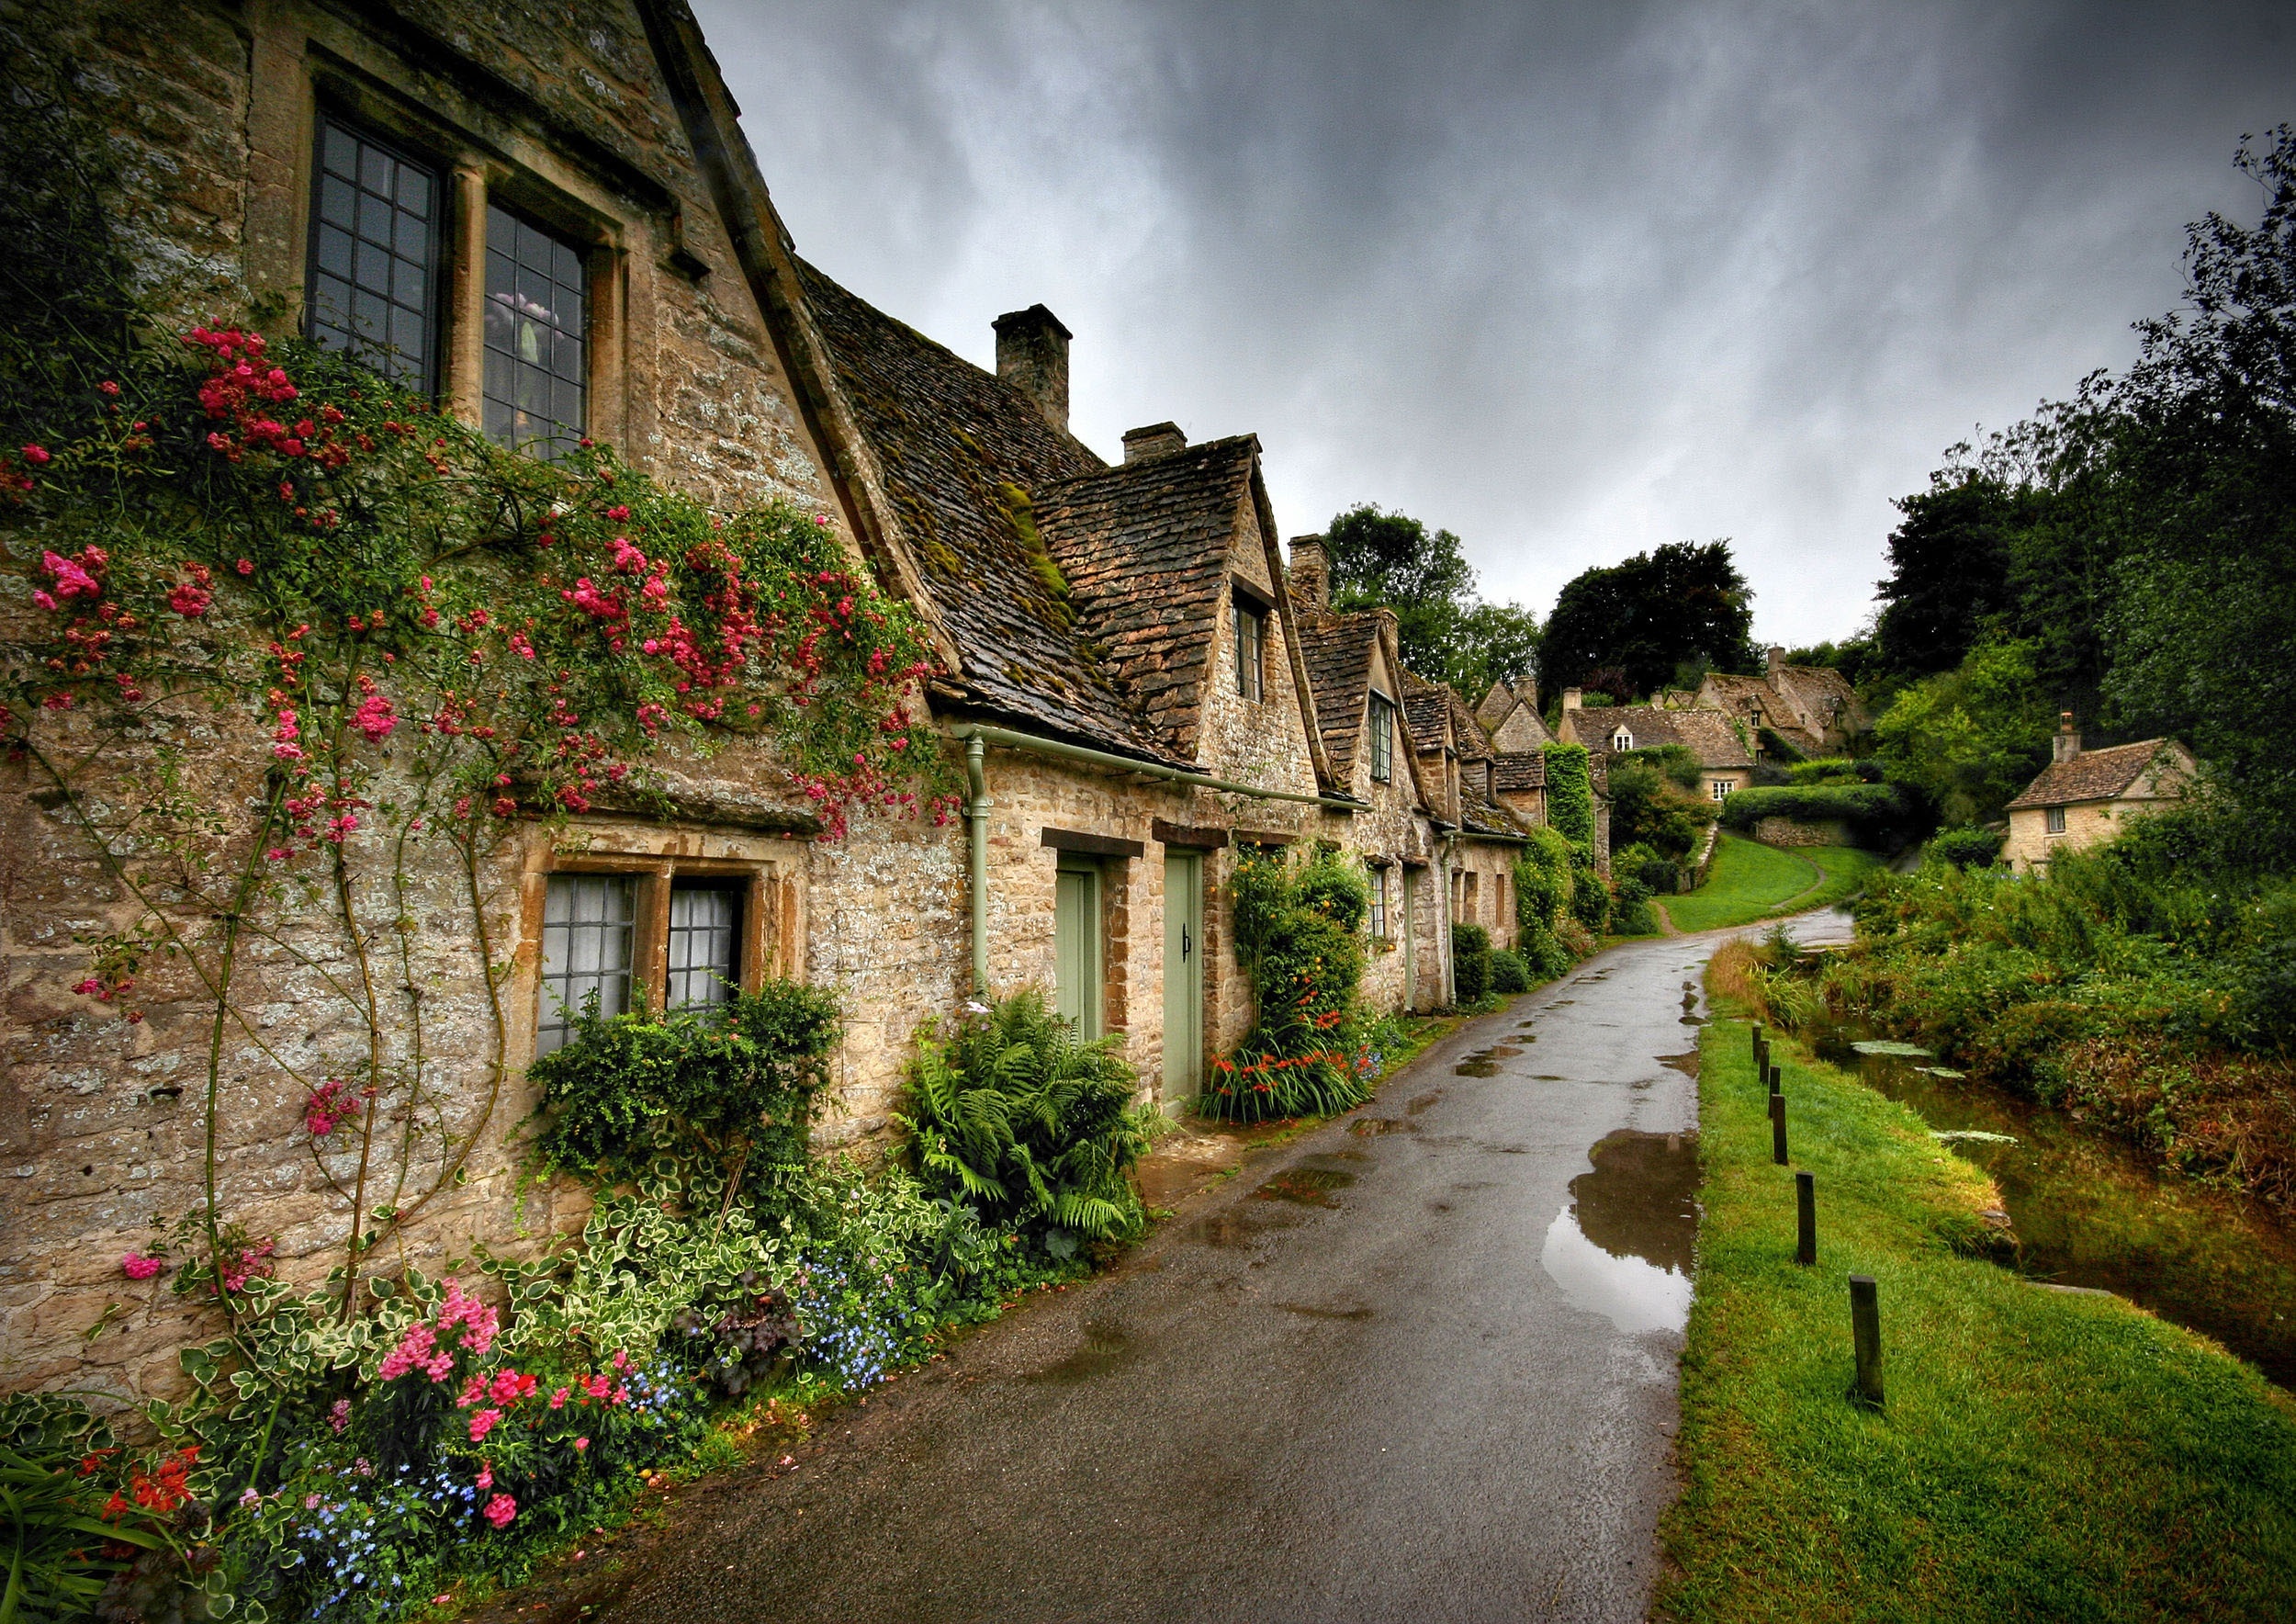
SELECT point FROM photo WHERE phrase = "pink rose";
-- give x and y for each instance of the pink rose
(138, 1268)
(501, 1510)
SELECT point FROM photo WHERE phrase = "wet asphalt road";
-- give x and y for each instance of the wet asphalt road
(1419, 1366)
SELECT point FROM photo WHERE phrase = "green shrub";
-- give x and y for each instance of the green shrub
(1509, 975)
(725, 1085)
(1678, 764)
(1590, 901)
(1542, 880)
(1633, 916)
(1017, 1117)
(1469, 940)
(1298, 932)
(1876, 813)
(1834, 770)
(1657, 874)
(1964, 847)
(1471, 976)
(1545, 956)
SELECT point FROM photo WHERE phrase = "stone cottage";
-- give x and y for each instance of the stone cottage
(1812, 708)
(557, 226)
(1726, 760)
(1458, 758)
(1357, 679)
(2085, 798)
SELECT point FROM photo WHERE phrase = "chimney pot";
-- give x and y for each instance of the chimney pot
(1309, 576)
(2066, 745)
(1776, 659)
(1573, 698)
(1158, 439)
(1032, 356)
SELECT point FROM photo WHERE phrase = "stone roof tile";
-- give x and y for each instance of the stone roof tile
(2093, 775)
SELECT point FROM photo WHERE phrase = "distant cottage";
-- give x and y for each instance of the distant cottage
(2083, 798)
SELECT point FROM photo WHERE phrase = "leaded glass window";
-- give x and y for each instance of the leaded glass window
(704, 945)
(588, 922)
(1378, 903)
(537, 300)
(1251, 635)
(1382, 739)
(373, 267)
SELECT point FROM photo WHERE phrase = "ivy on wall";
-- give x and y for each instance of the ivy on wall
(1570, 795)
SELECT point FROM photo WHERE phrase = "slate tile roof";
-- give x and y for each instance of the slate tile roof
(2093, 775)
(1514, 771)
(962, 454)
(1337, 649)
(1428, 713)
(1707, 734)
(1145, 549)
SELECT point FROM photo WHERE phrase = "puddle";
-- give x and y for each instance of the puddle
(1687, 1063)
(1422, 1102)
(1370, 1126)
(1307, 1187)
(1314, 1311)
(1105, 1346)
(1475, 1068)
(1622, 1247)
(1548, 1076)
(1240, 1224)
(2087, 1211)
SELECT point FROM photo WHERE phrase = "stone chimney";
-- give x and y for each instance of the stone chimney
(1776, 657)
(2066, 745)
(1158, 439)
(1032, 356)
(1573, 699)
(1309, 576)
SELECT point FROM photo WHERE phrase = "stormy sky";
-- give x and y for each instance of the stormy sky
(1569, 279)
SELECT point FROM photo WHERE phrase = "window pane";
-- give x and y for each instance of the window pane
(389, 201)
(338, 202)
(536, 298)
(704, 945)
(588, 925)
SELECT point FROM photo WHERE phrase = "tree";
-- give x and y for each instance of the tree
(2201, 471)
(1447, 633)
(1650, 806)
(1971, 737)
(1655, 613)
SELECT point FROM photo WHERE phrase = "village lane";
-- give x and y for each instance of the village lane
(1420, 1366)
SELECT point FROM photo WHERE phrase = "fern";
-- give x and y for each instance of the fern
(1015, 1116)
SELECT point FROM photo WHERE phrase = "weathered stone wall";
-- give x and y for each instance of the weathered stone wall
(1492, 865)
(1787, 831)
(2030, 845)
(211, 108)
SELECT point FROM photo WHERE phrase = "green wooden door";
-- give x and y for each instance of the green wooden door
(1077, 943)
(1183, 979)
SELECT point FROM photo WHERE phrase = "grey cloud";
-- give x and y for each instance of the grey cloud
(1571, 280)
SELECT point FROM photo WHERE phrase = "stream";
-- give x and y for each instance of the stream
(2088, 1211)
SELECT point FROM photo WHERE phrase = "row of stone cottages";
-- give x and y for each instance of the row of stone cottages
(556, 222)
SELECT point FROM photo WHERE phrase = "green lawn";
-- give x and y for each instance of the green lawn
(1750, 881)
(2040, 1456)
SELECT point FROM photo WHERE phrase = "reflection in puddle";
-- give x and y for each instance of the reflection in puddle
(1687, 1063)
(1309, 1187)
(1421, 1101)
(1475, 1068)
(1368, 1125)
(1622, 1247)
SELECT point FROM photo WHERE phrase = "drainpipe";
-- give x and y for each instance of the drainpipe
(976, 813)
(1450, 981)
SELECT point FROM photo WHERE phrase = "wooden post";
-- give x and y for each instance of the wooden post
(1777, 1078)
(1759, 1057)
(1806, 1208)
(1865, 1324)
(1777, 1129)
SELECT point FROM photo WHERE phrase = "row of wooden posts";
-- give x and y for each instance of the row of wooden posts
(1865, 1313)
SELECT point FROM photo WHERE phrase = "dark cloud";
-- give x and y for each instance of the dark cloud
(1570, 279)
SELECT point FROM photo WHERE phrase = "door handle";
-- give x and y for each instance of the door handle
(1187, 945)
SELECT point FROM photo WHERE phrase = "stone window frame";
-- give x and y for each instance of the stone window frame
(2053, 820)
(770, 940)
(304, 66)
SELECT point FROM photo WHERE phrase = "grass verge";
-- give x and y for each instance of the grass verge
(2042, 1455)
(1750, 881)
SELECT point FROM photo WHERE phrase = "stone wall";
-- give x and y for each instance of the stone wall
(1787, 831)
